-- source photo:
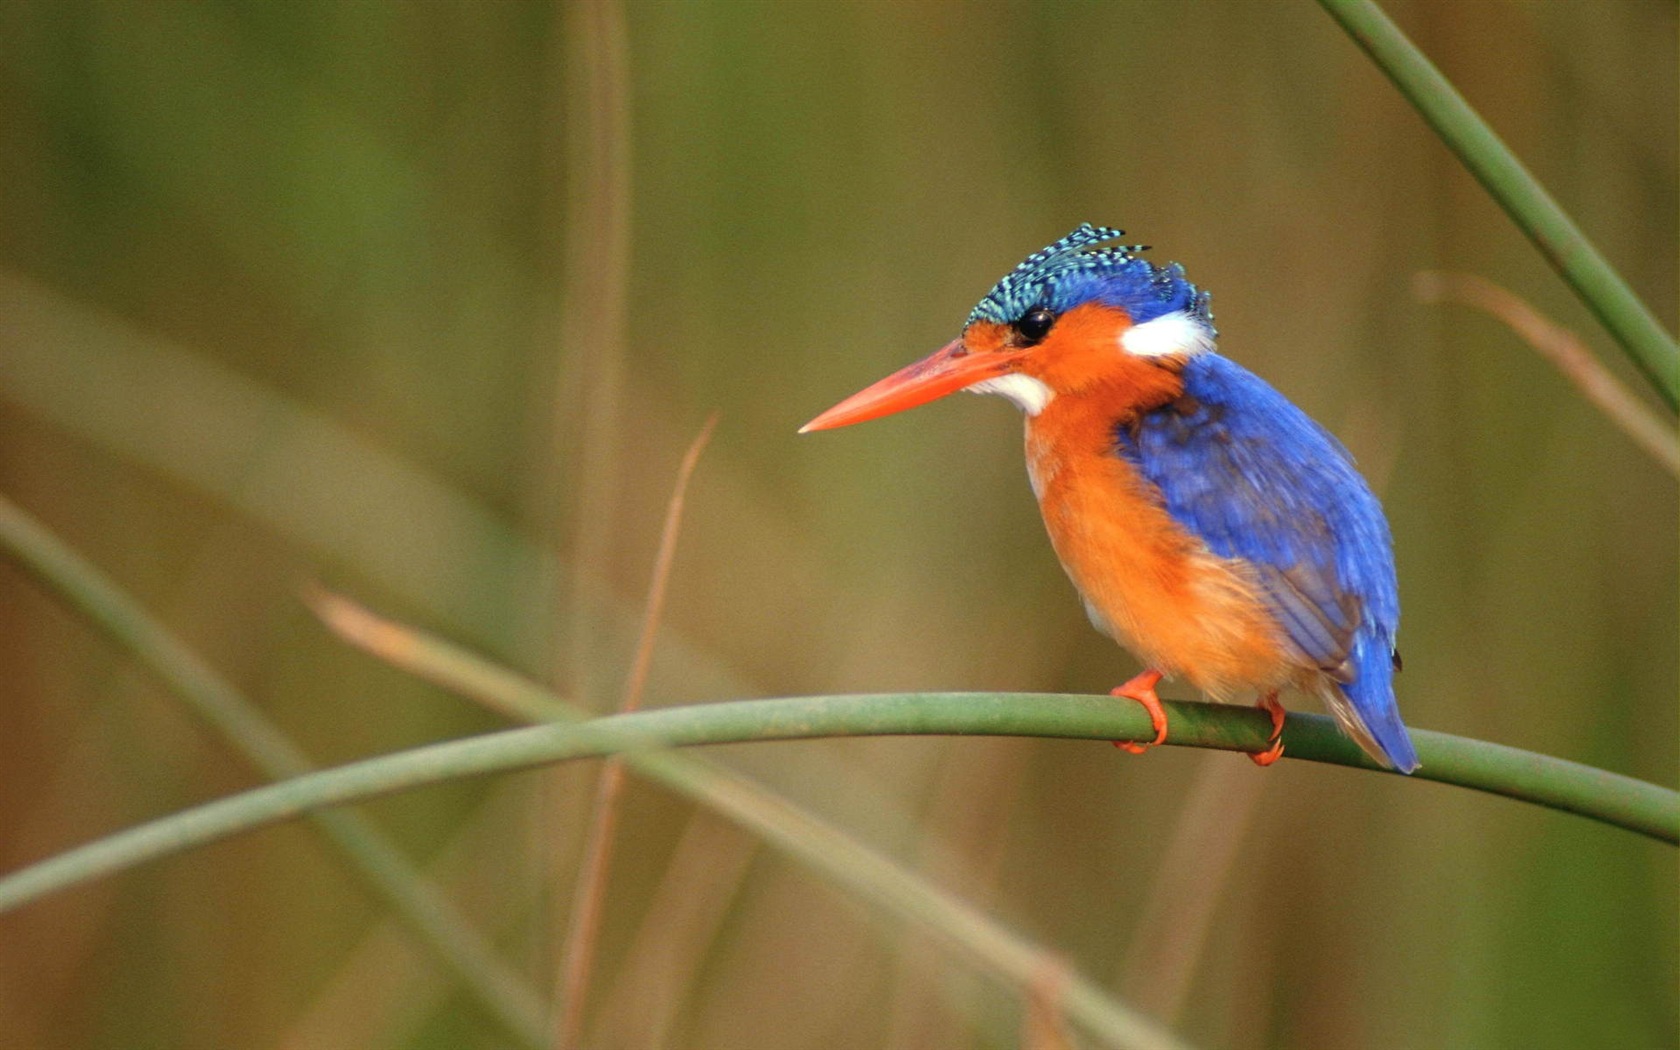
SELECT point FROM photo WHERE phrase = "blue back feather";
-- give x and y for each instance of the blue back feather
(1249, 473)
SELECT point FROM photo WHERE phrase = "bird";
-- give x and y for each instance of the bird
(1208, 524)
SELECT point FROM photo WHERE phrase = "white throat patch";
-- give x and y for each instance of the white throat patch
(1169, 334)
(1030, 395)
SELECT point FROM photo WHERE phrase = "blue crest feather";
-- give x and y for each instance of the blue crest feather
(1074, 271)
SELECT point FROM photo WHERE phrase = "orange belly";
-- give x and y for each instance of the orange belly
(1146, 582)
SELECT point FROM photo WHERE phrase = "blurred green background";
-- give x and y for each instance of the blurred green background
(337, 291)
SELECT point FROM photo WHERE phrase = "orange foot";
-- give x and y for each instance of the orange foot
(1269, 704)
(1142, 689)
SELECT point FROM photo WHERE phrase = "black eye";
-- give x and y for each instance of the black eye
(1034, 325)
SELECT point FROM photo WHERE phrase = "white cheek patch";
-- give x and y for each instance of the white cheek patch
(1167, 335)
(1030, 395)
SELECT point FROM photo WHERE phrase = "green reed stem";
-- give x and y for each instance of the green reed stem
(1621, 801)
(1493, 164)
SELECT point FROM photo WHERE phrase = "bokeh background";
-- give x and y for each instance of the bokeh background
(425, 300)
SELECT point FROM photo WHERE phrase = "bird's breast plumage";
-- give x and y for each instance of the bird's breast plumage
(1146, 580)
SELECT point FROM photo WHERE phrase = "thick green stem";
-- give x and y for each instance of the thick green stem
(1613, 799)
(1628, 319)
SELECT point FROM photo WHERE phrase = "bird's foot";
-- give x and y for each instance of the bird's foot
(1268, 703)
(1142, 689)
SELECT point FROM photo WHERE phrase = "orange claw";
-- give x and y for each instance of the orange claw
(1269, 704)
(1142, 689)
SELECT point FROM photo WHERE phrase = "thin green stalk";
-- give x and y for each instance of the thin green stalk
(389, 875)
(1517, 191)
(1608, 797)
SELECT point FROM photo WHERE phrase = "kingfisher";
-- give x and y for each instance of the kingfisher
(1209, 525)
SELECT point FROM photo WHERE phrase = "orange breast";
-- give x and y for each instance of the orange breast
(1148, 583)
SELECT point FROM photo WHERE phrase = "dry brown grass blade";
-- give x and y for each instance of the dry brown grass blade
(1043, 1026)
(591, 100)
(695, 895)
(595, 165)
(577, 959)
(636, 680)
(1564, 349)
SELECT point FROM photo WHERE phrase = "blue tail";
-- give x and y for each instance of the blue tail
(1372, 695)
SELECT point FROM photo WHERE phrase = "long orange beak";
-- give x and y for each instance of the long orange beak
(945, 371)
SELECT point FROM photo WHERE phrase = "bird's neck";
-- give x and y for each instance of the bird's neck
(1077, 427)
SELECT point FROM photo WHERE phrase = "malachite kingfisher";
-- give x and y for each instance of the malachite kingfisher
(1210, 526)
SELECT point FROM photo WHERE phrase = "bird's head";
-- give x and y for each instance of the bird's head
(1072, 320)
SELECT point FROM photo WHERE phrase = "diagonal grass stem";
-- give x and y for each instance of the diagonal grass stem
(1499, 171)
(389, 876)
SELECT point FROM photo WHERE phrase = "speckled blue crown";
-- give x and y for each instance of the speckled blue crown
(1072, 272)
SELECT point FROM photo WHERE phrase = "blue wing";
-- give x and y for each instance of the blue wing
(1241, 467)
